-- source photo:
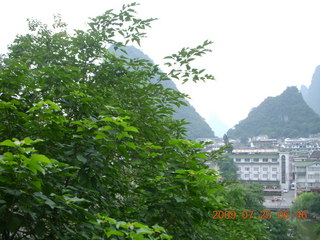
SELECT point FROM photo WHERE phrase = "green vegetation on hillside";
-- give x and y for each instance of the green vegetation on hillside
(311, 95)
(286, 115)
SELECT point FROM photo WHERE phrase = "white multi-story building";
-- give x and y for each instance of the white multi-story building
(267, 166)
(307, 173)
(301, 144)
(263, 142)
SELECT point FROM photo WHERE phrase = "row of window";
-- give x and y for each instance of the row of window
(314, 176)
(310, 169)
(316, 184)
(303, 146)
(256, 176)
(257, 160)
(315, 169)
(264, 169)
(310, 176)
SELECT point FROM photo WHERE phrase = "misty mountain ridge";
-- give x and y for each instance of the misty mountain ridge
(197, 127)
(311, 95)
(286, 115)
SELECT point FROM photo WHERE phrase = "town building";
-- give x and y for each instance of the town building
(263, 141)
(269, 167)
(307, 173)
(307, 176)
(301, 144)
(315, 156)
(279, 165)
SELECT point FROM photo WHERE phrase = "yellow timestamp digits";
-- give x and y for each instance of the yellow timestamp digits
(264, 214)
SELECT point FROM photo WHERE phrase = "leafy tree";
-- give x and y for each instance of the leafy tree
(197, 126)
(250, 197)
(225, 139)
(307, 201)
(227, 168)
(89, 148)
(282, 229)
(227, 143)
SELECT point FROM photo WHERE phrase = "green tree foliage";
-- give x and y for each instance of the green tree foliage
(310, 202)
(286, 115)
(249, 196)
(197, 126)
(227, 168)
(283, 229)
(307, 201)
(89, 148)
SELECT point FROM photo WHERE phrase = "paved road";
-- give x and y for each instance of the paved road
(286, 201)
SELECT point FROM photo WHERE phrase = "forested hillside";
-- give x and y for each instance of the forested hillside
(197, 127)
(312, 94)
(286, 115)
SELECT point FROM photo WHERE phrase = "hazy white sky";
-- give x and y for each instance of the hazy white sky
(260, 46)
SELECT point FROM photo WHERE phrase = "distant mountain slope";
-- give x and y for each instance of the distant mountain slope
(198, 128)
(286, 115)
(312, 94)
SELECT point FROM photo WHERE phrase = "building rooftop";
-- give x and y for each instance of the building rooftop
(257, 155)
(315, 154)
(305, 163)
(251, 150)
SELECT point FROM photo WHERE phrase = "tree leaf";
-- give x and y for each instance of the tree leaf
(41, 158)
(131, 129)
(81, 158)
(8, 143)
(14, 222)
(114, 232)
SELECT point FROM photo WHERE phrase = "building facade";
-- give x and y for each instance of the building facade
(301, 144)
(307, 176)
(267, 166)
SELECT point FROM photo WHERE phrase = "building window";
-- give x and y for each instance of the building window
(264, 176)
(315, 169)
(246, 176)
(274, 175)
(247, 169)
(310, 176)
(238, 159)
(301, 174)
(265, 160)
(274, 160)
(256, 159)
(256, 169)
(265, 169)
(247, 159)
(239, 168)
(283, 168)
(301, 169)
(314, 176)
(274, 169)
(256, 176)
